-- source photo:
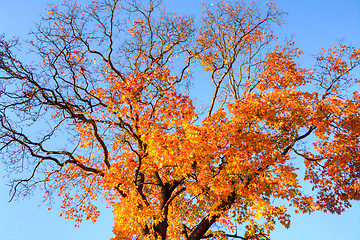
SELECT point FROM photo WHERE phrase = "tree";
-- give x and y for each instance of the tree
(103, 112)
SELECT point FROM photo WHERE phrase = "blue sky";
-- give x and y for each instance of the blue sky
(315, 24)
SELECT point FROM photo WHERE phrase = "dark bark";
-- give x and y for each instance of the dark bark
(209, 220)
(161, 229)
(203, 227)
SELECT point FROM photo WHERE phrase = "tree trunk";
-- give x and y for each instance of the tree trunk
(202, 228)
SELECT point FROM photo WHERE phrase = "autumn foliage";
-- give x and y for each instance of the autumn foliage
(104, 111)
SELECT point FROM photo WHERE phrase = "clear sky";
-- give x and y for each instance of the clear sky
(315, 24)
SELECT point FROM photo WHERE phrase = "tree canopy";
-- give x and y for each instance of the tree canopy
(103, 111)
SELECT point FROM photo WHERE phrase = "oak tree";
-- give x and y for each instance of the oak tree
(103, 111)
